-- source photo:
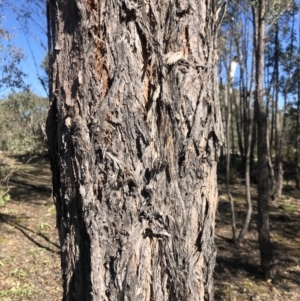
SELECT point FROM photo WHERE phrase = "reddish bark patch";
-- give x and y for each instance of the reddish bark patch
(91, 5)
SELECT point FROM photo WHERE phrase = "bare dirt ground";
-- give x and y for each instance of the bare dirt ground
(29, 251)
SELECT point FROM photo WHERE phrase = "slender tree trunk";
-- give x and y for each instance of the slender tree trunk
(253, 143)
(229, 134)
(228, 100)
(277, 190)
(240, 125)
(50, 47)
(270, 163)
(270, 99)
(296, 158)
(287, 86)
(265, 245)
(248, 143)
(242, 53)
(134, 128)
(270, 130)
(232, 128)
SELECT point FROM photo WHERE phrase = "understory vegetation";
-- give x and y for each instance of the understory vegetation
(22, 123)
(22, 133)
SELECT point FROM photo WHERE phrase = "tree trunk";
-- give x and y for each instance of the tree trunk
(297, 140)
(253, 144)
(239, 125)
(270, 128)
(271, 174)
(133, 129)
(248, 142)
(228, 109)
(277, 190)
(265, 245)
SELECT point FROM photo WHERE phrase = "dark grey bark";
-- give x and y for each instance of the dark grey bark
(265, 245)
(134, 129)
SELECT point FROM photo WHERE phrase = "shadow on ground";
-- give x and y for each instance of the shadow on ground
(237, 273)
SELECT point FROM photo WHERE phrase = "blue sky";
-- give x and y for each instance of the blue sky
(31, 38)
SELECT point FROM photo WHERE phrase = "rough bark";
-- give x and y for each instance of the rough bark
(134, 128)
(265, 245)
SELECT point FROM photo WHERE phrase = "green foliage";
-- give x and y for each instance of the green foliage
(253, 3)
(18, 290)
(44, 77)
(4, 197)
(11, 74)
(45, 64)
(44, 226)
(5, 173)
(286, 208)
(19, 273)
(22, 117)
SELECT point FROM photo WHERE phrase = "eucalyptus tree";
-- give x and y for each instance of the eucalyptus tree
(134, 130)
(21, 118)
(265, 245)
(279, 66)
(237, 50)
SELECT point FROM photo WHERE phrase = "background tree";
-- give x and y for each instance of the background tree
(134, 129)
(265, 245)
(31, 27)
(22, 118)
(10, 58)
(240, 23)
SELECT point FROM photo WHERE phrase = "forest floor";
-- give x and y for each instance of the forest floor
(237, 274)
(29, 251)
